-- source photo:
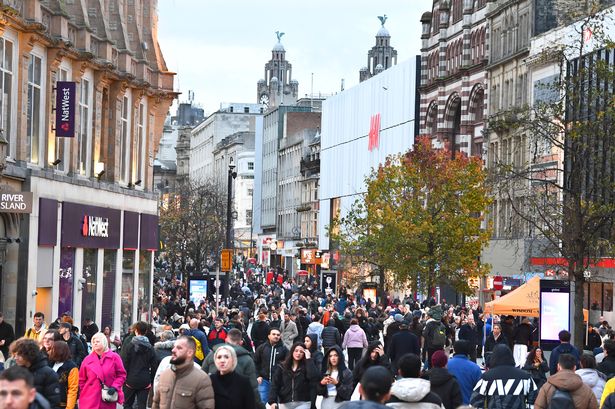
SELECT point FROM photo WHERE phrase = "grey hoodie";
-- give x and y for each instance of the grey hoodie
(413, 393)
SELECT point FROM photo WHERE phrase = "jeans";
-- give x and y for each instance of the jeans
(263, 390)
(354, 355)
(131, 394)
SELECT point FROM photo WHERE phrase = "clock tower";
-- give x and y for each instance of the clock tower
(278, 87)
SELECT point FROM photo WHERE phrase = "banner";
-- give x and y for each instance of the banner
(66, 96)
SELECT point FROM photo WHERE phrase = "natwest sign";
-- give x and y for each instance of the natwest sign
(95, 226)
(90, 226)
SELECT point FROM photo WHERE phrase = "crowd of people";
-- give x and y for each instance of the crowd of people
(285, 345)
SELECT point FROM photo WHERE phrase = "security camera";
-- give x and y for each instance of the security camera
(81, 280)
(34, 293)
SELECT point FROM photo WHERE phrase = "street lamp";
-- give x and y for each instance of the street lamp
(229, 202)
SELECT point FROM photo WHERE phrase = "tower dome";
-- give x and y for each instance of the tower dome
(278, 47)
(383, 32)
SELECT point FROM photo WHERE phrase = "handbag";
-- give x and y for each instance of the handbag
(107, 394)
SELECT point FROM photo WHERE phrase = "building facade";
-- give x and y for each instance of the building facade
(278, 87)
(382, 55)
(86, 247)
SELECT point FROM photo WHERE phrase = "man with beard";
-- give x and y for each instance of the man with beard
(183, 382)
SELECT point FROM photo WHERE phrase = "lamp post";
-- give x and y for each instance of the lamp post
(229, 203)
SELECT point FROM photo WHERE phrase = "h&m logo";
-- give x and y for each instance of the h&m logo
(95, 226)
(373, 139)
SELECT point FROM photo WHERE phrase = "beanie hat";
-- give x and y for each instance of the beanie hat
(399, 317)
(435, 312)
(439, 359)
(417, 313)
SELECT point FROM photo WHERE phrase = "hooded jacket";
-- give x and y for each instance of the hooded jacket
(413, 393)
(564, 348)
(163, 349)
(355, 338)
(294, 386)
(594, 379)
(445, 386)
(365, 362)
(581, 394)
(316, 327)
(503, 386)
(467, 374)
(317, 355)
(344, 386)
(140, 362)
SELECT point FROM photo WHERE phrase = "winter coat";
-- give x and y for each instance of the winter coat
(267, 357)
(523, 335)
(607, 366)
(68, 377)
(469, 333)
(355, 338)
(404, 342)
(538, 373)
(184, 387)
(594, 379)
(200, 335)
(413, 393)
(232, 391)
(163, 349)
(518, 390)
(140, 362)
(8, 335)
(294, 386)
(316, 328)
(491, 342)
(46, 380)
(110, 370)
(331, 336)
(581, 394)
(77, 350)
(445, 386)
(216, 336)
(289, 333)
(245, 366)
(565, 348)
(609, 402)
(317, 354)
(260, 330)
(365, 362)
(344, 377)
(467, 374)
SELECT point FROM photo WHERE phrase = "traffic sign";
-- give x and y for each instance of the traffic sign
(226, 260)
(498, 283)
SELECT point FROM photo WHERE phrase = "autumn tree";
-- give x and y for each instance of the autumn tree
(568, 183)
(420, 221)
(192, 226)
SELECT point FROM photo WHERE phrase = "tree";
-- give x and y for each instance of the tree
(192, 226)
(567, 183)
(420, 220)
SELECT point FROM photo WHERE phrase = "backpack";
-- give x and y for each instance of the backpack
(561, 400)
(438, 339)
(199, 349)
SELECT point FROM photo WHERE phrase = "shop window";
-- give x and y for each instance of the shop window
(88, 291)
(598, 296)
(84, 130)
(6, 89)
(33, 122)
(108, 300)
(67, 268)
(128, 272)
(145, 278)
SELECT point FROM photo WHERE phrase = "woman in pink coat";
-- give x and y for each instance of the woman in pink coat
(101, 365)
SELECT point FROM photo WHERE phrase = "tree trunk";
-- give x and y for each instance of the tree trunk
(577, 326)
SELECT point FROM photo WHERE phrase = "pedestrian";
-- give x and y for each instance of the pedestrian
(566, 380)
(77, 351)
(89, 328)
(519, 391)
(374, 356)
(231, 390)
(465, 371)
(442, 382)
(494, 338)
(260, 331)
(37, 330)
(374, 388)
(165, 345)
(217, 335)
(200, 340)
(141, 363)
(331, 335)
(536, 365)
(402, 343)
(607, 366)
(591, 376)
(434, 332)
(311, 343)
(410, 391)
(315, 327)
(17, 390)
(335, 386)
(289, 331)
(68, 374)
(293, 384)
(522, 339)
(469, 332)
(266, 359)
(565, 347)
(354, 342)
(7, 335)
(184, 385)
(28, 355)
(101, 367)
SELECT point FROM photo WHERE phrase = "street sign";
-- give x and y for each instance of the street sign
(226, 260)
(498, 283)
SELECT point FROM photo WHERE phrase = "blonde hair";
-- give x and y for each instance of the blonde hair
(103, 340)
(231, 352)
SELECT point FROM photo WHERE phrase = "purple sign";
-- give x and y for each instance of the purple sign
(66, 95)
(90, 227)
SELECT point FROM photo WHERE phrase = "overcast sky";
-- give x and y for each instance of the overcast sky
(218, 48)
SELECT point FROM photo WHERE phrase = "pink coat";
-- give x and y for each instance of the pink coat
(110, 369)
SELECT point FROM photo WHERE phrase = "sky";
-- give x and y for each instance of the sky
(219, 48)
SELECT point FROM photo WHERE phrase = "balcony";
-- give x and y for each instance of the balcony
(310, 165)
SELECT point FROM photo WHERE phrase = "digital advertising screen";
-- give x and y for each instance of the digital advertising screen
(554, 311)
(198, 290)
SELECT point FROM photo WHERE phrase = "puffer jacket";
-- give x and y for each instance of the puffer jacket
(594, 379)
(445, 386)
(355, 338)
(46, 380)
(344, 386)
(294, 386)
(267, 357)
(140, 362)
(163, 349)
(184, 387)
(518, 392)
(413, 393)
(331, 336)
(581, 394)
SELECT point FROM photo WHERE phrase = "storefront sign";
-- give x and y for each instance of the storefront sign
(65, 108)
(16, 202)
(90, 226)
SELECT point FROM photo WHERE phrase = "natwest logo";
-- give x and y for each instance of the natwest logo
(95, 226)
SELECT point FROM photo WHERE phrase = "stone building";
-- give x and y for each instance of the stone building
(278, 87)
(453, 75)
(86, 245)
(382, 56)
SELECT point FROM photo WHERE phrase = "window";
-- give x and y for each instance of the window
(124, 140)
(139, 151)
(249, 216)
(6, 89)
(62, 144)
(84, 133)
(250, 192)
(33, 126)
(250, 165)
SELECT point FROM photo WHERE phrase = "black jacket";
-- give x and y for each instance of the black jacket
(76, 349)
(140, 362)
(8, 335)
(63, 374)
(267, 357)
(490, 342)
(404, 342)
(294, 386)
(365, 362)
(538, 373)
(445, 386)
(469, 333)
(46, 380)
(260, 330)
(344, 386)
(232, 391)
(607, 366)
(523, 334)
(330, 336)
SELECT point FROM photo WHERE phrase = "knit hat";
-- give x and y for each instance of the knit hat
(417, 313)
(435, 312)
(439, 359)
(399, 317)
